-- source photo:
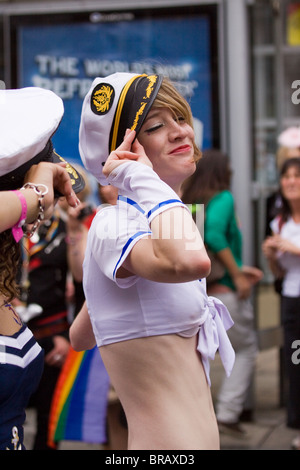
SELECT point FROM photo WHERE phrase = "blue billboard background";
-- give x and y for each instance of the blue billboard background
(66, 59)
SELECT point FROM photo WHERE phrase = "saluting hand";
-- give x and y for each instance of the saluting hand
(127, 151)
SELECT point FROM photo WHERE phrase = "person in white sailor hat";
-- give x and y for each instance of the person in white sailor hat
(289, 145)
(145, 265)
(29, 183)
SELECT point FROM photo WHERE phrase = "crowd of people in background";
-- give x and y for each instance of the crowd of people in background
(282, 250)
(42, 280)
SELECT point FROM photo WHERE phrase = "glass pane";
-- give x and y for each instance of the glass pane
(265, 149)
(262, 25)
(264, 86)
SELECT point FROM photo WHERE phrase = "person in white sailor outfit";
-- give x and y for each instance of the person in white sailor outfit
(145, 265)
(29, 184)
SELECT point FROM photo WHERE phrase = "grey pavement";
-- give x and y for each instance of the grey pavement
(267, 431)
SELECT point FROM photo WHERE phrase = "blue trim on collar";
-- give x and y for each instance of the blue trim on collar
(130, 240)
(131, 202)
(161, 204)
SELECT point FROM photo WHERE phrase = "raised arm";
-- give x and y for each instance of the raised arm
(49, 174)
(175, 251)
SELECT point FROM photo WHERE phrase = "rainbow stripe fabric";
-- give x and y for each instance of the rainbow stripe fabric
(79, 405)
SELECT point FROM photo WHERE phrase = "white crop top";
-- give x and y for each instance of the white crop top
(134, 307)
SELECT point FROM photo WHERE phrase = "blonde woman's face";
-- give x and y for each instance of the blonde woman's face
(168, 143)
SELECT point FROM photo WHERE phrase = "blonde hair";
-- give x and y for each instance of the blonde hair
(284, 153)
(169, 97)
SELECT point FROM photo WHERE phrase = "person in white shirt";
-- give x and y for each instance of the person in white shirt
(145, 265)
(282, 250)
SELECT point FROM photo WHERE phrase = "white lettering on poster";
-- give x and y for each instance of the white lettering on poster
(71, 76)
(296, 94)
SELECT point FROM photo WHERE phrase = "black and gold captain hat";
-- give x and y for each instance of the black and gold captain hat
(113, 104)
(28, 119)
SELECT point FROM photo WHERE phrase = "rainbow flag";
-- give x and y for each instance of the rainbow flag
(79, 405)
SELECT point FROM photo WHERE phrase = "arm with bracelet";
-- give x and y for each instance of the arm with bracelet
(17, 208)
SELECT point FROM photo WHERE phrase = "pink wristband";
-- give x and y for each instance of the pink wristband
(17, 228)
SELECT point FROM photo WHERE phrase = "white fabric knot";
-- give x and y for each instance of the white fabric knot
(213, 337)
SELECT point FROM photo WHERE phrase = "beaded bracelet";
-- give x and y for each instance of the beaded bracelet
(41, 215)
(17, 228)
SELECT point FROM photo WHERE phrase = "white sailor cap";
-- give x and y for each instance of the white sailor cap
(28, 119)
(113, 104)
(290, 138)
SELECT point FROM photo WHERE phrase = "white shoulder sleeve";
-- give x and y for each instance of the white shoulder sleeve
(114, 232)
(141, 185)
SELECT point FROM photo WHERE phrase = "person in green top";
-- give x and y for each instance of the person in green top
(210, 185)
(222, 233)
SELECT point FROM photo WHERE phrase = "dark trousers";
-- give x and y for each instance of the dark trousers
(41, 400)
(290, 316)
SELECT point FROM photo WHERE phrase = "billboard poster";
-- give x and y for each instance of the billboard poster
(67, 57)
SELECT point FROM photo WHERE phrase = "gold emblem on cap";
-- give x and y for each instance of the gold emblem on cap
(102, 98)
(137, 116)
(72, 172)
(152, 80)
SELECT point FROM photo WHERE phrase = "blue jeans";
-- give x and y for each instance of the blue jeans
(234, 390)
